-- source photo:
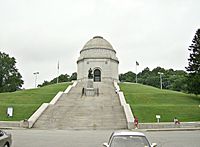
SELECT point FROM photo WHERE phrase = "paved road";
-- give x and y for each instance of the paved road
(175, 138)
(72, 138)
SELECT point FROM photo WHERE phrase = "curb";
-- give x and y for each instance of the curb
(12, 128)
(168, 129)
(173, 129)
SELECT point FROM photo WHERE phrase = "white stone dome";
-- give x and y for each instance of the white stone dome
(97, 42)
(98, 48)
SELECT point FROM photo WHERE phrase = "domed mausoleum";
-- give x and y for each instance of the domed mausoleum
(99, 55)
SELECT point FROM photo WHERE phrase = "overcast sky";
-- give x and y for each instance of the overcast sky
(38, 33)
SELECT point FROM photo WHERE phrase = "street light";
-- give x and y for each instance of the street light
(36, 73)
(160, 73)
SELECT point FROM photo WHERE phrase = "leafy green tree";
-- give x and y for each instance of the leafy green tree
(143, 77)
(10, 78)
(193, 80)
(171, 79)
(127, 77)
(44, 84)
(174, 80)
(121, 77)
(151, 78)
(73, 76)
(62, 78)
(177, 81)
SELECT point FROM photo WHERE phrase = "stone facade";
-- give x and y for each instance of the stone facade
(99, 55)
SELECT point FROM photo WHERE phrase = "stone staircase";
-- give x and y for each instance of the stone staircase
(74, 111)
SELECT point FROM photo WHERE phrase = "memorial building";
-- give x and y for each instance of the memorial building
(99, 56)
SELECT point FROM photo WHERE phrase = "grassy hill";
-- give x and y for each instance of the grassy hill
(147, 101)
(26, 102)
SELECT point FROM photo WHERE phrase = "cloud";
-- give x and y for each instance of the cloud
(38, 33)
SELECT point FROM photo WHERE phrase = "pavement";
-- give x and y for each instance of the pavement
(95, 138)
(191, 127)
(140, 130)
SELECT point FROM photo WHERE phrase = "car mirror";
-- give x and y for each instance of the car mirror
(153, 144)
(105, 144)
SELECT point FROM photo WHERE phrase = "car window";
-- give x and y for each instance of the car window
(129, 141)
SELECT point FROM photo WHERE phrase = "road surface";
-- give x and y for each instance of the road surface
(95, 138)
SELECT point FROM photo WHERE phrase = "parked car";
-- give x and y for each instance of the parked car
(128, 139)
(5, 139)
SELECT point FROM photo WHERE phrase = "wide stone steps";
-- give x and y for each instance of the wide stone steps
(98, 117)
(82, 111)
(74, 111)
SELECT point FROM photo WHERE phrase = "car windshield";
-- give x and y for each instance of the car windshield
(129, 141)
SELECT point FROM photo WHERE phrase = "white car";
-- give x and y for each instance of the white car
(128, 139)
(5, 139)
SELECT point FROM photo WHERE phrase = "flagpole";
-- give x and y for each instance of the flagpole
(136, 74)
(137, 64)
(58, 72)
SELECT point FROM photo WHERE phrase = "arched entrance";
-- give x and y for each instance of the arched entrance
(97, 75)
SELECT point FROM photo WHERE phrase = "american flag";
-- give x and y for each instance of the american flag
(58, 65)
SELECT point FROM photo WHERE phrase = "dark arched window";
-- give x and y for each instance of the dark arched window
(97, 75)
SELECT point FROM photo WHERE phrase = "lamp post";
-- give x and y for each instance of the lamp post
(36, 73)
(160, 73)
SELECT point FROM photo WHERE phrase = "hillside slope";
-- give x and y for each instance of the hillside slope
(146, 102)
(26, 102)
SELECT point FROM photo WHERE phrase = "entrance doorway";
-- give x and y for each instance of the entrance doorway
(97, 75)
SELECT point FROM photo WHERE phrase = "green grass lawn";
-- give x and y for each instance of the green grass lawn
(26, 102)
(146, 102)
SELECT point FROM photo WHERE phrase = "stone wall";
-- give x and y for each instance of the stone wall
(108, 68)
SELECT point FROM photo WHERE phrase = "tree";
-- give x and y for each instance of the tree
(10, 78)
(151, 78)
(62, 78)
(177, 81)
(127, 77)
(171, 79)
(193, 79)
(73, 76)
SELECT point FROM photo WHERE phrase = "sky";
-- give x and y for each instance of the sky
(39, 33)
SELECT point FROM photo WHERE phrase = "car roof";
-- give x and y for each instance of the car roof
(119, 133)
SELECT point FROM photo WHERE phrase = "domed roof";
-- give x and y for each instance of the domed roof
(97, 42)
(98, 48)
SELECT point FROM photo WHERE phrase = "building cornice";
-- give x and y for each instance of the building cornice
(82, 59)
(97, 48)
